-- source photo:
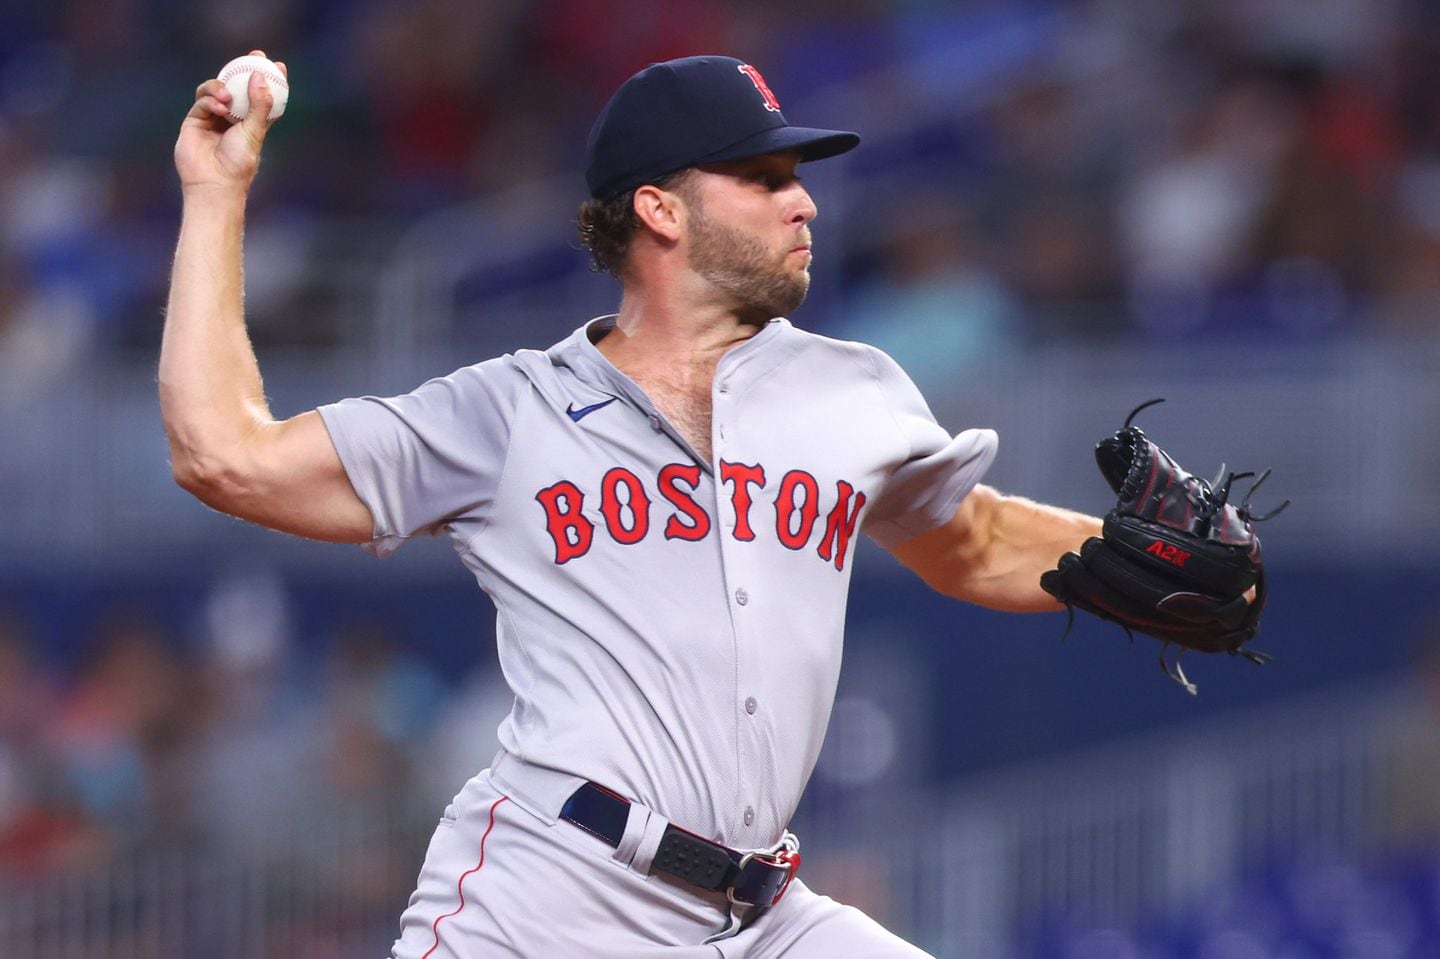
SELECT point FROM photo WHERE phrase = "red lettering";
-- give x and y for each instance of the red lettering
(742, 477)
(1170, 554)
(839, 527)
(569, 529)
(699, 526)
(771, 103)
(612, 506)
(625, 508)
(785, 508)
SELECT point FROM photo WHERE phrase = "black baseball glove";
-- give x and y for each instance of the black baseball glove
(1175, 558)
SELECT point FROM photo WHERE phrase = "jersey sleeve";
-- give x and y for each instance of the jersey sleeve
(925, 489)
(424, 458)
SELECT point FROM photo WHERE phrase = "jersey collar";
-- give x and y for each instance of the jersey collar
(580, 355)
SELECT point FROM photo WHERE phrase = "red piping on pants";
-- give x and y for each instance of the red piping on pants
(460, 883)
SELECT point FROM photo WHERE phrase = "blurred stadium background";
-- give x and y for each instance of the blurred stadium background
(218, 742)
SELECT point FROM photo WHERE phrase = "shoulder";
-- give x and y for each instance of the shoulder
(869, 363)
(498, 369)
(862, 357)
(490, 389)
(487, 381)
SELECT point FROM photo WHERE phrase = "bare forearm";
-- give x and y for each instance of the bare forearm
(1026, 539)
(993, 551)
(211, 396)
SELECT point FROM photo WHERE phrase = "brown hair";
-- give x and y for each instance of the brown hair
(607, 226)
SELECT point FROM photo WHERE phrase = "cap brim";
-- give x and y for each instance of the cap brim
(813, 144)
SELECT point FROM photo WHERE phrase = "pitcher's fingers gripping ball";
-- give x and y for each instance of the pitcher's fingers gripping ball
(1176, 558)
(236, 77)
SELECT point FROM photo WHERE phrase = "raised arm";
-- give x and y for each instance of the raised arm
(225, 447)
(994, 549)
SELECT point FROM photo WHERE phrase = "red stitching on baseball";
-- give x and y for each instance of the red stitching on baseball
(460, 883)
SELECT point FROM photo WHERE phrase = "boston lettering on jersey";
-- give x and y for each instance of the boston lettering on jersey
(625, 505)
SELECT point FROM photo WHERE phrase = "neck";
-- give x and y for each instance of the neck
(662, 327)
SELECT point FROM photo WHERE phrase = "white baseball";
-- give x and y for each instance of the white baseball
(236, 77)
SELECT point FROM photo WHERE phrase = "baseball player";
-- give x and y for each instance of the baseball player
(664, 508)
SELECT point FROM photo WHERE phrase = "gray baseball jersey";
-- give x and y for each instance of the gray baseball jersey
(671, 628)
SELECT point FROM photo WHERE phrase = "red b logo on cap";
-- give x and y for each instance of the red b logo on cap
(771, 104)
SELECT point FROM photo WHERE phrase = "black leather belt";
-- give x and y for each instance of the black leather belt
(748, 878)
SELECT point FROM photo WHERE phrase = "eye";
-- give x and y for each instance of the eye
(773, 180)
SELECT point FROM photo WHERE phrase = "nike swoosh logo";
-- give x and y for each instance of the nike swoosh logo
(584, 411)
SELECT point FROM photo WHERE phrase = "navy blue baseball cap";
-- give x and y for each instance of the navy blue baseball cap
(690, 111)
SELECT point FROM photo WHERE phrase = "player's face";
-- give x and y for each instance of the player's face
(749, 232)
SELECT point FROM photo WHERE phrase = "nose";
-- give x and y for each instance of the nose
(804, 209)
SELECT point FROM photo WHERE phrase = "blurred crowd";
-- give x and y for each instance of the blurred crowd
(1033, 170)
(219, 731)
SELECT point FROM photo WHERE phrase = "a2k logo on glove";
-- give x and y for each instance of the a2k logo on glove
(1170, 554)
(625, 505)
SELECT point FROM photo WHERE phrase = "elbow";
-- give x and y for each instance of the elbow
(223, 464)
(190, 466)
(187, 470)
(193, 475)
(210, 479)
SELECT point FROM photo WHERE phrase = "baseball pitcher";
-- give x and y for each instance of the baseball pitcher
(664, 507)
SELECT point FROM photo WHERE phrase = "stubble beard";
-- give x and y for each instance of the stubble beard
(740, 265)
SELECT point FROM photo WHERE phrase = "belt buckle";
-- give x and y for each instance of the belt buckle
(754, 893)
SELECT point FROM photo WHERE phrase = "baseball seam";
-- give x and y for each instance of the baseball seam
(275, 75)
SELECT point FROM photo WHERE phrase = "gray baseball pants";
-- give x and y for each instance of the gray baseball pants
(498, 881)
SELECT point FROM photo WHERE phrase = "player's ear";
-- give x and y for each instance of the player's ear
(660, 210)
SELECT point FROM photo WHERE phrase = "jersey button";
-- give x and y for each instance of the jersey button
(741, 596)
(655, 423)
(751, 705)
(749, 815)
